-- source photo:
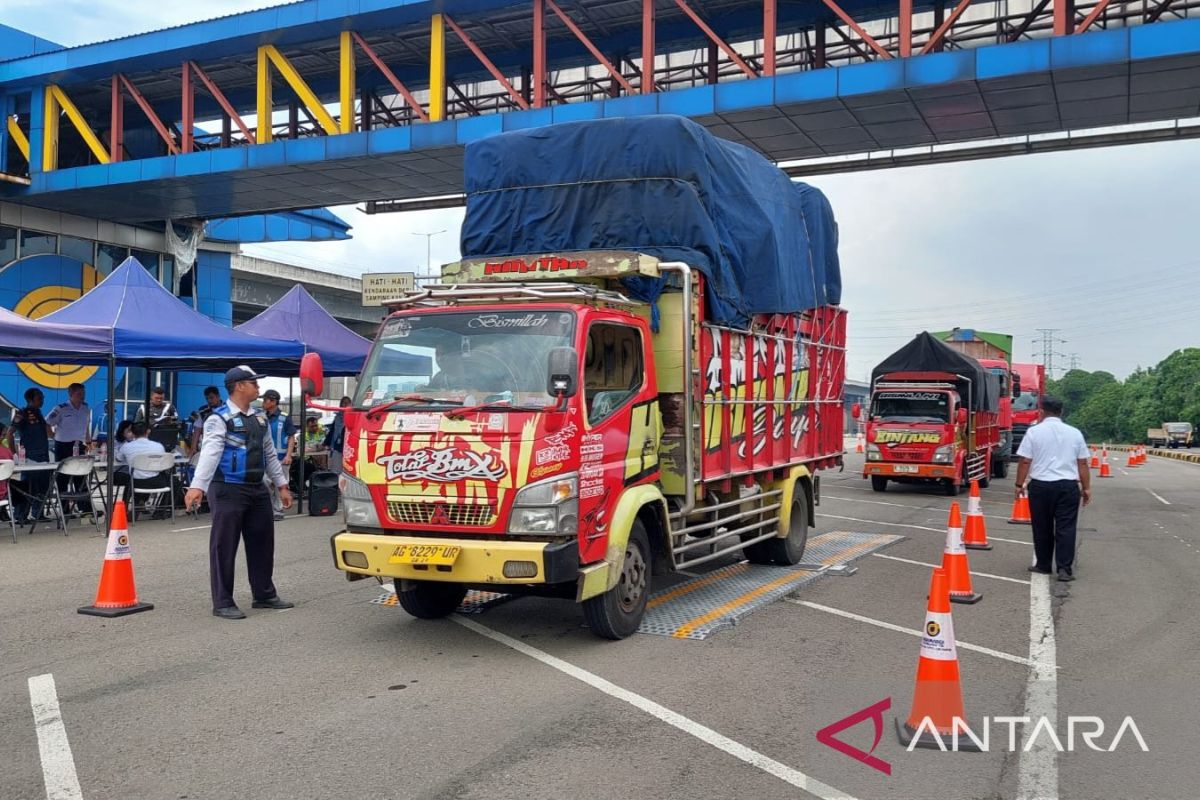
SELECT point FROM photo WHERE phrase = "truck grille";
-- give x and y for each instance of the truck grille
(462, 514)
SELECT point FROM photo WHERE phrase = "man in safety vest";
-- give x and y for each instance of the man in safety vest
(236, 453)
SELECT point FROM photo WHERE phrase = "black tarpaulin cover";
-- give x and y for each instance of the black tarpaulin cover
(926, 354)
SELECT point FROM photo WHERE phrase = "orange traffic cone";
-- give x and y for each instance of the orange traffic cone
(1105, 470)
(858, 444)
(1020, 509)
(937, 698)
(975, 535)
(954, 561)
(1095, 459)
(1132, 460)
(1142, 454)
(116, 595)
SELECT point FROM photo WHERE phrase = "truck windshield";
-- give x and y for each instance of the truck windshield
(911, 407)
(1177, 427)
(445, 359)
(1025, 401)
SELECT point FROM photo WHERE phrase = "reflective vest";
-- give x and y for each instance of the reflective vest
(242, 460)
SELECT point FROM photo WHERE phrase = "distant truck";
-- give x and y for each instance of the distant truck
(993, 351)
(565, 421)
(1031, 383)
(1156, 437)
(933, 418)
(1179, 434)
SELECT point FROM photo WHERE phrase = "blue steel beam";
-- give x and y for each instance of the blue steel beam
(1100, 78)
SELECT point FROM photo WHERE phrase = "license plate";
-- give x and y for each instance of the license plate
(425, 554)
(904, 468)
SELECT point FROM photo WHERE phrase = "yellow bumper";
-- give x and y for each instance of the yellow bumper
(477, 562)
(909, 470)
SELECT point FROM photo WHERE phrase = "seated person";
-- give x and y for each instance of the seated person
(140, 444)
(452, 365)
(5, 455)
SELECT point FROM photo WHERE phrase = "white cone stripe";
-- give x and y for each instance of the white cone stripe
(937, 640)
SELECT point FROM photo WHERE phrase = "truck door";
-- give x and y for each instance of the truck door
(621, 427)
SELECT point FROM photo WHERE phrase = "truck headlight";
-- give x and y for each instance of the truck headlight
(358, 509)
(548, 507)
(873, 453)
(944, 454)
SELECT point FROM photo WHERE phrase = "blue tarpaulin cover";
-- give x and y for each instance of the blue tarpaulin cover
(298, 316)
(149, 326)
(663, 186)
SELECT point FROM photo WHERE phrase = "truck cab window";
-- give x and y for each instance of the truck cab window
(612, 369)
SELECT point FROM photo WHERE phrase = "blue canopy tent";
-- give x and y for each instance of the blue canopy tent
(129, 319)
(298, 316)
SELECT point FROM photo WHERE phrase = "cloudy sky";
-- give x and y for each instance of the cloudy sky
(1100, 244)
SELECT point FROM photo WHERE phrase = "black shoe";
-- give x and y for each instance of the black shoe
(229, 612)
(274, 603)
(1065, 575)
(1039, 570)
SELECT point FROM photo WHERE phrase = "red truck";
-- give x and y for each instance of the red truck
(933, 418)
(1032, 386)
(572, 423)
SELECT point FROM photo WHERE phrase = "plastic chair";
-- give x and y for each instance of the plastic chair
(161, 463)
(73, 468)
(6, 470)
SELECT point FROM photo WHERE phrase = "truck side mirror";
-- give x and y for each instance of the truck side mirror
(962, 416)
(856, 410)
(312, 375)
(1016, 389)
(562, 372)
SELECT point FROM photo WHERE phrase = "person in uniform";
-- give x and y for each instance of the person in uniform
(72, 423)
(283, 436)
(212, 399)
(162, 412)
(30, 433)
(236, 452)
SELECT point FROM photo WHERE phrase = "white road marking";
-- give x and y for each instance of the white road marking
(1123, 472)
(920, 528)
(910, 631)
(58, 765)
(896, 505)
(1037, 775)
(689, 726)
(1161, 499)
(935, 566)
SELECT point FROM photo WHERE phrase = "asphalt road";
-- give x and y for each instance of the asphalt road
(340, 697)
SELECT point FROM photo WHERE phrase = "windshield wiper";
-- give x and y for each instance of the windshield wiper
(410, 398)
(494, 404)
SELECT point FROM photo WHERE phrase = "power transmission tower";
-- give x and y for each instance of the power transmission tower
(1073, 361)
(1048, 342)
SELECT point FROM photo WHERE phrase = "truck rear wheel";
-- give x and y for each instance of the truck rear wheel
(618, 612)
(879, 483)
(430, 599)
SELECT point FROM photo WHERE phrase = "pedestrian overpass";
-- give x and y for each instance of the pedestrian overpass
(327, 102)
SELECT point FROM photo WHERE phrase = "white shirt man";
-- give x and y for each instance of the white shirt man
(1054, 471)
(72, 421)
(139, 446)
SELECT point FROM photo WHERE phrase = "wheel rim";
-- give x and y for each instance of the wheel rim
(633, 578)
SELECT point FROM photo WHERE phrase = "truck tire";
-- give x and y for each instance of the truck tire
(789, 550)
(431, 599)
(879, 483)
(618, 612)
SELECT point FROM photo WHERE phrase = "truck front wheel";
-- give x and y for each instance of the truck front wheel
(430, 599)
(879, 483)
(618, 612)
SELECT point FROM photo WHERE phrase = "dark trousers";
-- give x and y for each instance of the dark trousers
(241, 511)
(1054, 510)
(122, 479)
(33, 487)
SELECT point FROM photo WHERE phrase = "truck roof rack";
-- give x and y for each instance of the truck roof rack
(441, 294)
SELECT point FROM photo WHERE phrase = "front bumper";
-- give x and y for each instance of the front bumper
(931, 471)
(479, 561)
